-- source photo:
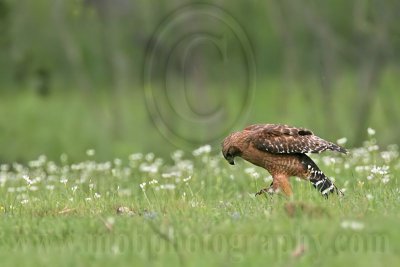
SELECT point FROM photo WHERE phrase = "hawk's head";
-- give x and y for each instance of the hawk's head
(230, 150)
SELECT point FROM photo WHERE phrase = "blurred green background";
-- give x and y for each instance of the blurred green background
(74, 74)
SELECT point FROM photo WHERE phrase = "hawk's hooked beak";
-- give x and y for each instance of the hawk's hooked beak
(230, 159)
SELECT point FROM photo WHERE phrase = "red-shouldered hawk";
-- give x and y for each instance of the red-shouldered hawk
(280, 149)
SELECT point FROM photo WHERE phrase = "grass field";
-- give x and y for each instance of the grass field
(198, 211)
(69, 121)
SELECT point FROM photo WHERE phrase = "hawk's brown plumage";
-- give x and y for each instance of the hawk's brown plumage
(280, 149)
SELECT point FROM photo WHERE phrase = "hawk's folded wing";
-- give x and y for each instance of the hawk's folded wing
(275, 138)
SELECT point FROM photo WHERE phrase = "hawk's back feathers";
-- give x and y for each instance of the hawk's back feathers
(284, 139)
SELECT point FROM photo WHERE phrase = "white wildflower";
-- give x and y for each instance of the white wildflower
(177, 155)
(328, 161)
(127, 172)
(342, 141)
(167, 186)
(149, 157)
(158, 162)
(380, 170)
(268, 178)
(385, 179)
(33, 188)
(187, 179)
(64, 180)
(63, 158)
(360, 168)
(143, 185)
(149, 168)
(136, 156)
(76, 167)
(249, 170)
(26, 178)
(50, 187)
(42, 159)
(388, 156)
(21, 189)
(252, 172)
(4, 167)
(117, 162)
(11, 189)
(51, 167)
(174, 174)
(18, 167)
(373, 148)
(185, 165)
(103, 167)
(195, 204)
(371, 131)
(90, 152)
(38, 163)
(202, 150)
(369, 196)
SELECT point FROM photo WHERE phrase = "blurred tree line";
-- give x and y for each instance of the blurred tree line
(92, 45)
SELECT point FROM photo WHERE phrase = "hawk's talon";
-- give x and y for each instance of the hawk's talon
(268, 190)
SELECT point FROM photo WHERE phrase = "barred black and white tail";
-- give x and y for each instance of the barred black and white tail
(321, 182)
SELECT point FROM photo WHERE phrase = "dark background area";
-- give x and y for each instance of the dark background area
(124, 76)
